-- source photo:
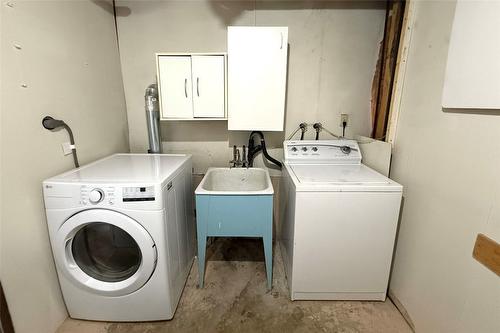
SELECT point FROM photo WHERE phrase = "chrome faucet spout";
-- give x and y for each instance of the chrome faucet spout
(244, 161)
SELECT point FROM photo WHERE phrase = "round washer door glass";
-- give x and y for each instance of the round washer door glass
(106, 252)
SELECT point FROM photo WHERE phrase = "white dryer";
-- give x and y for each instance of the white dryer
(339, 220)
(123, 235)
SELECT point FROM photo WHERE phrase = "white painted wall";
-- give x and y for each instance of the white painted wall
(70, 64)
(449, 165)
(332, 57)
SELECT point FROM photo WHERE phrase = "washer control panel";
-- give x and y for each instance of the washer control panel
(108, 195)
(138, 193)
(340, 151)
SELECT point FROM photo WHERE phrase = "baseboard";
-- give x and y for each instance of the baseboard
(401, 309)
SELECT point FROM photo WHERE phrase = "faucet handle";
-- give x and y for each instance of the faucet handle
(236, 161)
(234, 152)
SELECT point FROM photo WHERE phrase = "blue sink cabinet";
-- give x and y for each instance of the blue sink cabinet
(235, 216)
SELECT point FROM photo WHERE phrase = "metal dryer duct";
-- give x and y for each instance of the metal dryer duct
(153, 118)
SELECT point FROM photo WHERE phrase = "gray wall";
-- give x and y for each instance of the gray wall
(69, 61)
(449, 165)
(333, 52)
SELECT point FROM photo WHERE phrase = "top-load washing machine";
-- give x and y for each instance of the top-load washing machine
(339, 220)
(123, 235)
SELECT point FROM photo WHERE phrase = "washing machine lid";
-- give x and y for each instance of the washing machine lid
(105, 252)
(125, 168)
(340, 177)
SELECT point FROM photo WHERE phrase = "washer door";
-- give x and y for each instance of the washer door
(105, 252)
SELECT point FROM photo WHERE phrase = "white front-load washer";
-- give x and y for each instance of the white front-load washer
(339, 220)
(123, 235)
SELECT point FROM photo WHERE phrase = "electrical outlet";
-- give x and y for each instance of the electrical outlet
(344, 117)
(67, 148)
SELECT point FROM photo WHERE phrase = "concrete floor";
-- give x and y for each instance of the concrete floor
(235, 300)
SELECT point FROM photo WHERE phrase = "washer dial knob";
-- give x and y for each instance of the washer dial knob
(96, 195)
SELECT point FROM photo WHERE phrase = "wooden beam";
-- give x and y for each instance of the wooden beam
(392, 31)
(400, 71)
(376, 85)
(487, 252)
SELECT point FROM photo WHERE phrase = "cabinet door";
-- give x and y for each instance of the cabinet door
(257, 62)
(175, 86)
(472, 79)
(208, 86)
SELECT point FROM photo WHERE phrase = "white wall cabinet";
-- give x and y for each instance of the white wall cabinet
(257, 66)
(472, 79)
(192, 86)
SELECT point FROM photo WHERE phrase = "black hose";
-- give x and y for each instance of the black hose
(253, 150)
(51, 124)
(317, 127)
(72, 142)
(267, 156)
(303, 128)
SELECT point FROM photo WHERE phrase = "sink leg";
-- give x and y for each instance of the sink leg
(202, 245)
(268, 253)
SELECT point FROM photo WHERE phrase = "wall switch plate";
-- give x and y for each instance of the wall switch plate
(344, 117)
(67, 148)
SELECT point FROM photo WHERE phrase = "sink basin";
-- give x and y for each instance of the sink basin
(235, 181)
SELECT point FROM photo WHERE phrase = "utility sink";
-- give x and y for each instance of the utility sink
(235, 202)
(235, 181)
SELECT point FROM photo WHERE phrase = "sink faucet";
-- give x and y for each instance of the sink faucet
(244, 161)
(236, 161)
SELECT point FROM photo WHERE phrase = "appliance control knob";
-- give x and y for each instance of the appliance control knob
(314, 148)
(304, 148)
(96, 196)
(294, 148)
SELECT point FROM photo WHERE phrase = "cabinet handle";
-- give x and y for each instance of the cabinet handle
(185, 87)
(198, 86)
(281, 45)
